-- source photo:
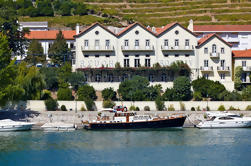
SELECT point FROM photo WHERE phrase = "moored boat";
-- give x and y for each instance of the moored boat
(130, 120)
(10, 125)
(58, 126)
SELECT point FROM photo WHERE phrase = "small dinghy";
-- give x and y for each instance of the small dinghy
(58, 126)
(10, 125)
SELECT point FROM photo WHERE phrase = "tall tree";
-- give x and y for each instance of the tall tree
(9, 27)
(59, 51)
(35, 53)
(182, 89)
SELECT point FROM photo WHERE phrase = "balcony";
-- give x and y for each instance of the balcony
(246, 68)
(214, 55)
(98, 49)
(177, 48)
(206, 69)
(223, 68)
(137, 48)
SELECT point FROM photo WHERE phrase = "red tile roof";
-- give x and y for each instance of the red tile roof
(167, 26)
(131, 25)
(126, 28)
(223, 28)
(242, 53)
(50, 35)
(209, 36)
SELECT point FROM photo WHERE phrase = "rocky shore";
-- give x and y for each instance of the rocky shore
(41, 117)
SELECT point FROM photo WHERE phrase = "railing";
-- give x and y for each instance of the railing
(214, 55)
(246, 68)
(97, 48)
(223, 68)
(232, 39)
(209, 68)
(137, 48)
(177, 47)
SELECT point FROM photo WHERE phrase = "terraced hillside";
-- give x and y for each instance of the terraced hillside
(161, 12)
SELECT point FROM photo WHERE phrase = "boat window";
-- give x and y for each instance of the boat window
(225, 118)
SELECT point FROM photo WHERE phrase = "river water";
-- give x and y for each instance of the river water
(182, 147)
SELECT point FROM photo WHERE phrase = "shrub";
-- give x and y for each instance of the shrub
(146, 108)
(171, 108)
(246, 93)
(46, 94)
(137, 109)
(83, 108)
(182, 89)
(64, 94)
(117, 65)
(132, 108)
(231, 108)
(108, 104)
(168, 95)
(221, 108)
(182, 106)
(51, 104)
(248, 108)
(160, 105)
(198, 108)
(109, 93)
(208, 108)
(192, 109)
(63, 108)
(89, 104)
(86, 91)
(237, 77)
(197, 96)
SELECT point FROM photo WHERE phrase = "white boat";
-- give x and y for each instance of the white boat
(227, 121)
(10, 125)
(220, 114)
(58, 126)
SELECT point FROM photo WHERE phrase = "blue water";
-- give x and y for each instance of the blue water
(183, 147)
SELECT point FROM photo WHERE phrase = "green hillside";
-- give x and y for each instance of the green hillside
(157, 12)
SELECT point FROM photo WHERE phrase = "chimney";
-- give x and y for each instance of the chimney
(77, 29)
(153, 29)
(190, 26)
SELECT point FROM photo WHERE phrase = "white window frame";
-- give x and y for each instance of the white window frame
(222, 50)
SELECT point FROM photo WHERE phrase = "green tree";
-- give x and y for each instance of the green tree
(65, 94)
(168, 95)
(76, 79)
(182, 89)
(81, 9)
(109, 94)
(230, 96)
(35, 53)
(180, 68)
(108, 104)
(51, 104)
(45, 8)
(59, 51)
(50, 77)
(246, 93)
(86, 91)
(65, 9)
(64, 73)
(237, 77)
(160, 105)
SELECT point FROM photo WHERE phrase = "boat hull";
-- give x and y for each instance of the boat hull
(15, 127)
(164, 123)
(233, 124)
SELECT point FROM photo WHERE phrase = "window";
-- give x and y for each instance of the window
(50, 44)
(244, 63)
(205, 63)
(147, 43)
(205, 76)
(126, 55)
(150, 78)
(166, 55)
(71, 45)
(136, 43)
(136, 55)
(86, 56)
(176, 42)
(205, 50)
(96, 56)
(222, 63)
(96, 43)
(98, 78)
(166, 42)
(222, 50)
(136, 63)
(126, 63)
(147, 63)
(107, 56)
(86, 77)
(86, 43)
(213, 48)
(176, 55)
(187, 42)
(126, 43)
(222, 76)
(110, 77)
(147, 55)
(163, 77)
(187, 55)
(107, 43)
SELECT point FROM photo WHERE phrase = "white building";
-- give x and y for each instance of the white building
(98, 50)
(238, 35)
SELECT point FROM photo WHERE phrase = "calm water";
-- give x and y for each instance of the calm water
(225, 147)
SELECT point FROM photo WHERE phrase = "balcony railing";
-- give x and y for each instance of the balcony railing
(223, 68)
(137, 48)
(175, 48)
(206, 69)
(214, 54)
(232, 39)
(98, 49)
(246, 68)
